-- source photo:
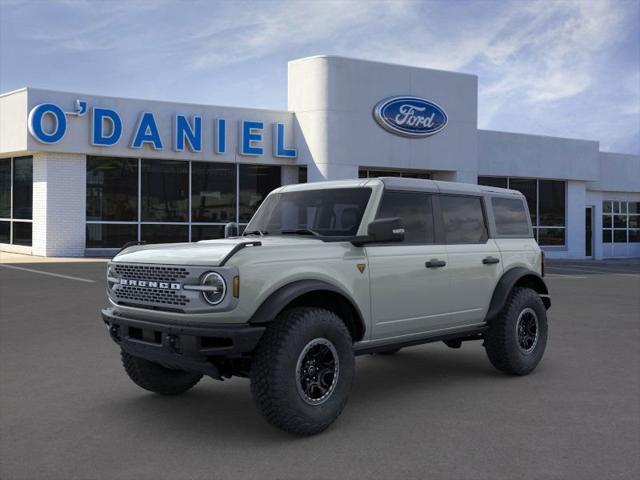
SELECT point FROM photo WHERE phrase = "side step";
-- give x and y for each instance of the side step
(475, 333)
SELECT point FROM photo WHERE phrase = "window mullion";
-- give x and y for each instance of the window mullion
(237, 193)
(11, 204)
(189, 201)
(139, 199)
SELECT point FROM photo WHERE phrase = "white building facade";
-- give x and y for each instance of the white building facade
(85, 174)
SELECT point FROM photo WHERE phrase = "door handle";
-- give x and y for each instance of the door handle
(490, 260)
(435, 263)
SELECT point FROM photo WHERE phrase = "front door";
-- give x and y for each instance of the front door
(409, 280)
(588, 232)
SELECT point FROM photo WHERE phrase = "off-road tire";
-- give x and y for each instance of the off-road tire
(274, 376)
(156, 378)
(501, 339)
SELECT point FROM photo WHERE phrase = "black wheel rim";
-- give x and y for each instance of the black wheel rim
(317, 371)
(527, 330)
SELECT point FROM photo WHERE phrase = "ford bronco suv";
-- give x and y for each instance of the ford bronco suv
(324, 272)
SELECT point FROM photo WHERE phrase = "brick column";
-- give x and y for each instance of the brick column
(59, 204)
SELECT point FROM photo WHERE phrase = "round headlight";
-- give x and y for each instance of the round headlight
(110, 277)
(215, 288)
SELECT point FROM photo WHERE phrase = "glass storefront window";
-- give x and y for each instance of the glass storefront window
(619, 236)
(500, 182)
(16, 200)
(22, 233)
(165, 187)
(546, 202)
(528, 187)
(375, 173)
(5, 231)
(256, 181)
(551, 203)
(155, 233)
(213, 192)
(620, 221)
(110, 235)
(551, 236)
(162, 209)
(112, 189)
(22, 187)
(302, 175)
(206, 232)
(5, 188)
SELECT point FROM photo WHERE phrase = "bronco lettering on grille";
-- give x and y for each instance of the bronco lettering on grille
(150, 284)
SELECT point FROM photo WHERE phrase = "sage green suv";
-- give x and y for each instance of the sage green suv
(324, 272)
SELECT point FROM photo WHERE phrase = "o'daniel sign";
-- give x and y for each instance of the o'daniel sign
(408, 116)
(48, 123)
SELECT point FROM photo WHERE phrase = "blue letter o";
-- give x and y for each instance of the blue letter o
(35, 123)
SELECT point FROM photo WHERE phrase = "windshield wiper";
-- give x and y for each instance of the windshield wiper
(255, 232)
(301, 231)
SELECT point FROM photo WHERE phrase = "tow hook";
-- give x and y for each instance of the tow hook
(172, 342)
(114, 331)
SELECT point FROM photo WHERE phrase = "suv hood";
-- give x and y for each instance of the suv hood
(207, 252)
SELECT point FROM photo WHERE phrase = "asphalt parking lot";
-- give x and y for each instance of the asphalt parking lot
(68, 411)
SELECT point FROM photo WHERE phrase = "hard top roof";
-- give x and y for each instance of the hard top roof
(398, 183)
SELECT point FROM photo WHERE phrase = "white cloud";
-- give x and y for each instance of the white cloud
(542, 65)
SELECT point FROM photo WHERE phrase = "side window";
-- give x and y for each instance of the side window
(510, 216)
(463, 219)
(415, 212)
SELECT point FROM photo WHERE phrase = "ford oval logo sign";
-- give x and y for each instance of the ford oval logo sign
(410, 116)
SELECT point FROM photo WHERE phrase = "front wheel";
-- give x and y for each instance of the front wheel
(517, 338)
(302, 370)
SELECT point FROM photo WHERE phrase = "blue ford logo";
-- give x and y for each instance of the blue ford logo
(410, 116)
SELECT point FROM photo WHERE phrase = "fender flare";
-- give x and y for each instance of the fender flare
(286, 294)
(509, 280)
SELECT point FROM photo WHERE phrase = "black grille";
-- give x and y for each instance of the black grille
(160, 296)
(151, 272)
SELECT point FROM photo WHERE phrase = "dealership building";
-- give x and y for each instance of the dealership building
(81, 175)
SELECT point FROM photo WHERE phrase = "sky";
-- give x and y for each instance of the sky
(568, 68)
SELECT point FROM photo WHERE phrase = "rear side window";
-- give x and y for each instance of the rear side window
(463, 219)
(510, 216)
(415, 212)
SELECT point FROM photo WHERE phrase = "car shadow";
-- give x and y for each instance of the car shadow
(214, 409)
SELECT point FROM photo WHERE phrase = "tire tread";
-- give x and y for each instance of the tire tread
(268, 393)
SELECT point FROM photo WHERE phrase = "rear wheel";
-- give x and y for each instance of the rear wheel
(517, 338)
(156, 378)
(302, 370)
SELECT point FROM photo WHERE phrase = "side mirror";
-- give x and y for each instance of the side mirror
(231, 230)
(385, 230)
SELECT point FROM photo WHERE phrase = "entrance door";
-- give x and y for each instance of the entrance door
(588, 231)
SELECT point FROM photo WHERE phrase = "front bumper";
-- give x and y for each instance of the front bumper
(191, 348)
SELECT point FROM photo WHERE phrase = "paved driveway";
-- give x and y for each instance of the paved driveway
(67, 410)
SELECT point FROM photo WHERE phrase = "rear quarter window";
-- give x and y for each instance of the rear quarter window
(510, 216)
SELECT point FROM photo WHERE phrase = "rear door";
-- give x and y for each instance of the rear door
(474, 259)
(409, 280)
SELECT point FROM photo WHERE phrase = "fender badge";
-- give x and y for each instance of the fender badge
(361, 267)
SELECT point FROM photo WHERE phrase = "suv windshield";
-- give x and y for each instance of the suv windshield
(322, 212)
